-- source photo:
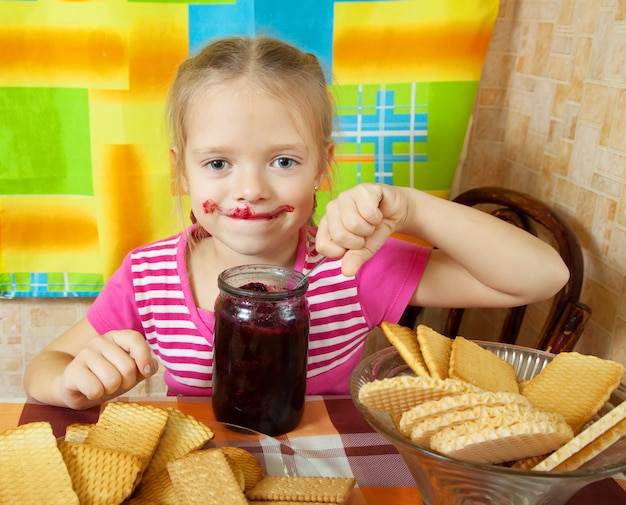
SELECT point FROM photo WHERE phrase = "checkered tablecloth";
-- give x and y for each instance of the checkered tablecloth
(331, 440)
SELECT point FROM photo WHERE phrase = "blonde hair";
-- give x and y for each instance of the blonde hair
(272, 66)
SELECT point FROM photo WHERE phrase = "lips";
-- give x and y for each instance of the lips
(245, 212)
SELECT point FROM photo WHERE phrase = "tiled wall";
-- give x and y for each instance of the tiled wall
(550, 120)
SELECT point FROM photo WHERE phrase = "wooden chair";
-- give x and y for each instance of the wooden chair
(567, 315)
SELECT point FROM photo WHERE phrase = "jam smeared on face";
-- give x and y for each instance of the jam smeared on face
(244, 212)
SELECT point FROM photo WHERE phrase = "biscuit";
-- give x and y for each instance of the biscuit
(435, 349)
(588, 443)
(205, 478)
(100, 476)
(405, 341)
(471, 363)
(33, 470)
(575, 386)
(303, 489)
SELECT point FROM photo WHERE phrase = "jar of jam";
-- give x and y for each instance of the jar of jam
(260, 348)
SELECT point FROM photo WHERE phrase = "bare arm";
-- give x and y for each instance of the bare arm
(82, 368)
(480, 260)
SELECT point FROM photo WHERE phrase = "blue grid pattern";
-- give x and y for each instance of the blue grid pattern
(384, 126)
(39, 285)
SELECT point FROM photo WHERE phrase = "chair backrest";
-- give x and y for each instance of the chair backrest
(567, 315)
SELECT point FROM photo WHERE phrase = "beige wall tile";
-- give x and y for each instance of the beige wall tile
(595, 100)
(603, 303)
(617, 138)
(567, 12)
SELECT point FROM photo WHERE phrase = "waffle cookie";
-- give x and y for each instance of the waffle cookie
(395, 395)
(509, 438)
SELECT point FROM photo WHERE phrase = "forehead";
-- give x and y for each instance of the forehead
(241, 102)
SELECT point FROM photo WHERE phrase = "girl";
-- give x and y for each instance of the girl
(251, 123)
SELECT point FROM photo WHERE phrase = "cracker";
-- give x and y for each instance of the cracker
(77, 432)
(33, 470)
(471, 363)
(250, 467)
(396, 395)
(205, 478)
(574, 385)
(303, 489)
(183, 434)
(481, 442)
(100, 476)
(435, 349)
(117, 429)
(159, 490)
(405, 341)
(588, 443)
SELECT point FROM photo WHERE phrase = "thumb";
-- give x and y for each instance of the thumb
(352, 261)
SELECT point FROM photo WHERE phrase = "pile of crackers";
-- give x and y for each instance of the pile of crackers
(466, 402)
(144, 455)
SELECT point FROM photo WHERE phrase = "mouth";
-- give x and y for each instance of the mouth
(245, 212)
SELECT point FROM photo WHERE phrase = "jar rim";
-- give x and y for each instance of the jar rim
(231, 280)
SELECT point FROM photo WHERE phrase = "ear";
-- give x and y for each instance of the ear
(330, 156)
(177, 168)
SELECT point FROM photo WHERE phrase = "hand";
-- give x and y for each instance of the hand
(110, 364)
(357, 224)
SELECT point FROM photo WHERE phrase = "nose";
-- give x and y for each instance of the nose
(251, 185)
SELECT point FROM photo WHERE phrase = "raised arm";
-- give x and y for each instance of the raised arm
(479, 260)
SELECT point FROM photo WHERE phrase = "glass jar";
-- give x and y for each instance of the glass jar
(260, 348)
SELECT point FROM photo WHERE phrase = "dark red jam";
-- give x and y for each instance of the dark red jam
(260, 349)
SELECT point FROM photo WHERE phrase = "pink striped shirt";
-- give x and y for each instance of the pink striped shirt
(150, 293)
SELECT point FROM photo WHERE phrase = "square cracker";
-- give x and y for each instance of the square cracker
(436, 350)
(205, 478)
(574, 385)
(33, 470)
(117, 429)
(471, 363)
(405, 341)
(303, 489)
(100, 476)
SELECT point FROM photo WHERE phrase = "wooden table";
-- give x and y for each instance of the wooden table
(332, 437)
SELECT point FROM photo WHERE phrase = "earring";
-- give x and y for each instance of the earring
(316, 188)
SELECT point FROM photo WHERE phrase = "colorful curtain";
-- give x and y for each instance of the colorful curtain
(84, 170)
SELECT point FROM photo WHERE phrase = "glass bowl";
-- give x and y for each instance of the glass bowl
(442, 480)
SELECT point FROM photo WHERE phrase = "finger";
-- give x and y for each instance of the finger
(368, 202)
(324, 243)
(354, 259)
(137, 349)
(344, 230)
(91, 375)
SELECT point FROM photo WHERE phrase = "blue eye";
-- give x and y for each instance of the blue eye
(283, 163)
(217, 165)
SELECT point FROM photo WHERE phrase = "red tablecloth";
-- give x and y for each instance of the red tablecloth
(332, 437)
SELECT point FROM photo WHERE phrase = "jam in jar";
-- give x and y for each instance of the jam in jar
(260, 348)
